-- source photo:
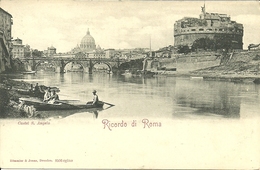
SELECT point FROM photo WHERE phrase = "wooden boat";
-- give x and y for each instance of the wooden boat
(24, 92)
(29, 72)
(196, 77)
(141, 73)
(243, 80)
(32, 93)
(127, 73)
(148, 73)
(58, 105)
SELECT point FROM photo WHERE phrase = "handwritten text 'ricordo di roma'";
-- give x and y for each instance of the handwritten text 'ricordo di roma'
(145, 123)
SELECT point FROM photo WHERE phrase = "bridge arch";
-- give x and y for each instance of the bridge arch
(78, 62)
(59, 63)
(37, 63)
(101, 62)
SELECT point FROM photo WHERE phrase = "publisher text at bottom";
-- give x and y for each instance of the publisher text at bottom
(41, 160)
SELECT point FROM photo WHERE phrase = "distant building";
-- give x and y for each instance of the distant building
(50, 51)
(5, 40)
(88, 47)
(109, 53)
(97, 53)
(134, 53)
(209, 25)
(18, 48)
(88, 43)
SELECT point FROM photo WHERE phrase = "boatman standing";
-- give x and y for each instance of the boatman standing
(38, 91)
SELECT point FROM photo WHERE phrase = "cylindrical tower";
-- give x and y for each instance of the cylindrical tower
(217, 27)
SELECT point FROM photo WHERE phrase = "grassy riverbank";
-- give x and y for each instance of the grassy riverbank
(242, 66)
(9, 98)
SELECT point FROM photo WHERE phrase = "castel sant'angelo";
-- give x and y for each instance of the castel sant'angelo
(208, 25)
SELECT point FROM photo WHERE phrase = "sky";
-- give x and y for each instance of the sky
(117, 24)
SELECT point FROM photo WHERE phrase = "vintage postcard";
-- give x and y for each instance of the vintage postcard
(129, 84)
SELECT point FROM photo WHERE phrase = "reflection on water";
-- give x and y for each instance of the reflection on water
(168, 97)
(210, 97)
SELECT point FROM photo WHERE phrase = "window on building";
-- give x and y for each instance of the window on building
(193, 29)
(201, 29)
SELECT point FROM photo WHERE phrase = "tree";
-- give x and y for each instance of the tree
(36, 53)
(204, 43)
(27, 51)
(223, 41)
(184, 49)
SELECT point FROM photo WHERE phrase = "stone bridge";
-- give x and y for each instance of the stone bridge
(59, 63)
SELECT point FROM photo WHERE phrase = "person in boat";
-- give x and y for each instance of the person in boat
(36, 88)
(47, 95)
(53, 97)
(38, 91)
(31, 88)
(95, 98)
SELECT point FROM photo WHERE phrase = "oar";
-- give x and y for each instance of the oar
(64, 102)
(69, 100)
(108, 104)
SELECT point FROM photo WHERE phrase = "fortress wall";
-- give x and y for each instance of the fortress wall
(191, 66)
(189, 38)
(187, 63)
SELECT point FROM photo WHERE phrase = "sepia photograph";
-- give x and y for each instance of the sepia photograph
(129, 84)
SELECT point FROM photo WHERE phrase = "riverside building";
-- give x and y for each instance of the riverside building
(18, 48)
(50, 51)
(6, 22)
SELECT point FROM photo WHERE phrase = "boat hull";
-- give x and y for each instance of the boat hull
(59, 105)
(29, 72)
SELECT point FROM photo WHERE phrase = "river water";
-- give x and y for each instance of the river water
(157, 97)
(209, 123)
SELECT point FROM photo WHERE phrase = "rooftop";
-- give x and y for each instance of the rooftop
(1, 9)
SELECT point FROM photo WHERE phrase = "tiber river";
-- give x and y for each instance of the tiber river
(157, 97)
